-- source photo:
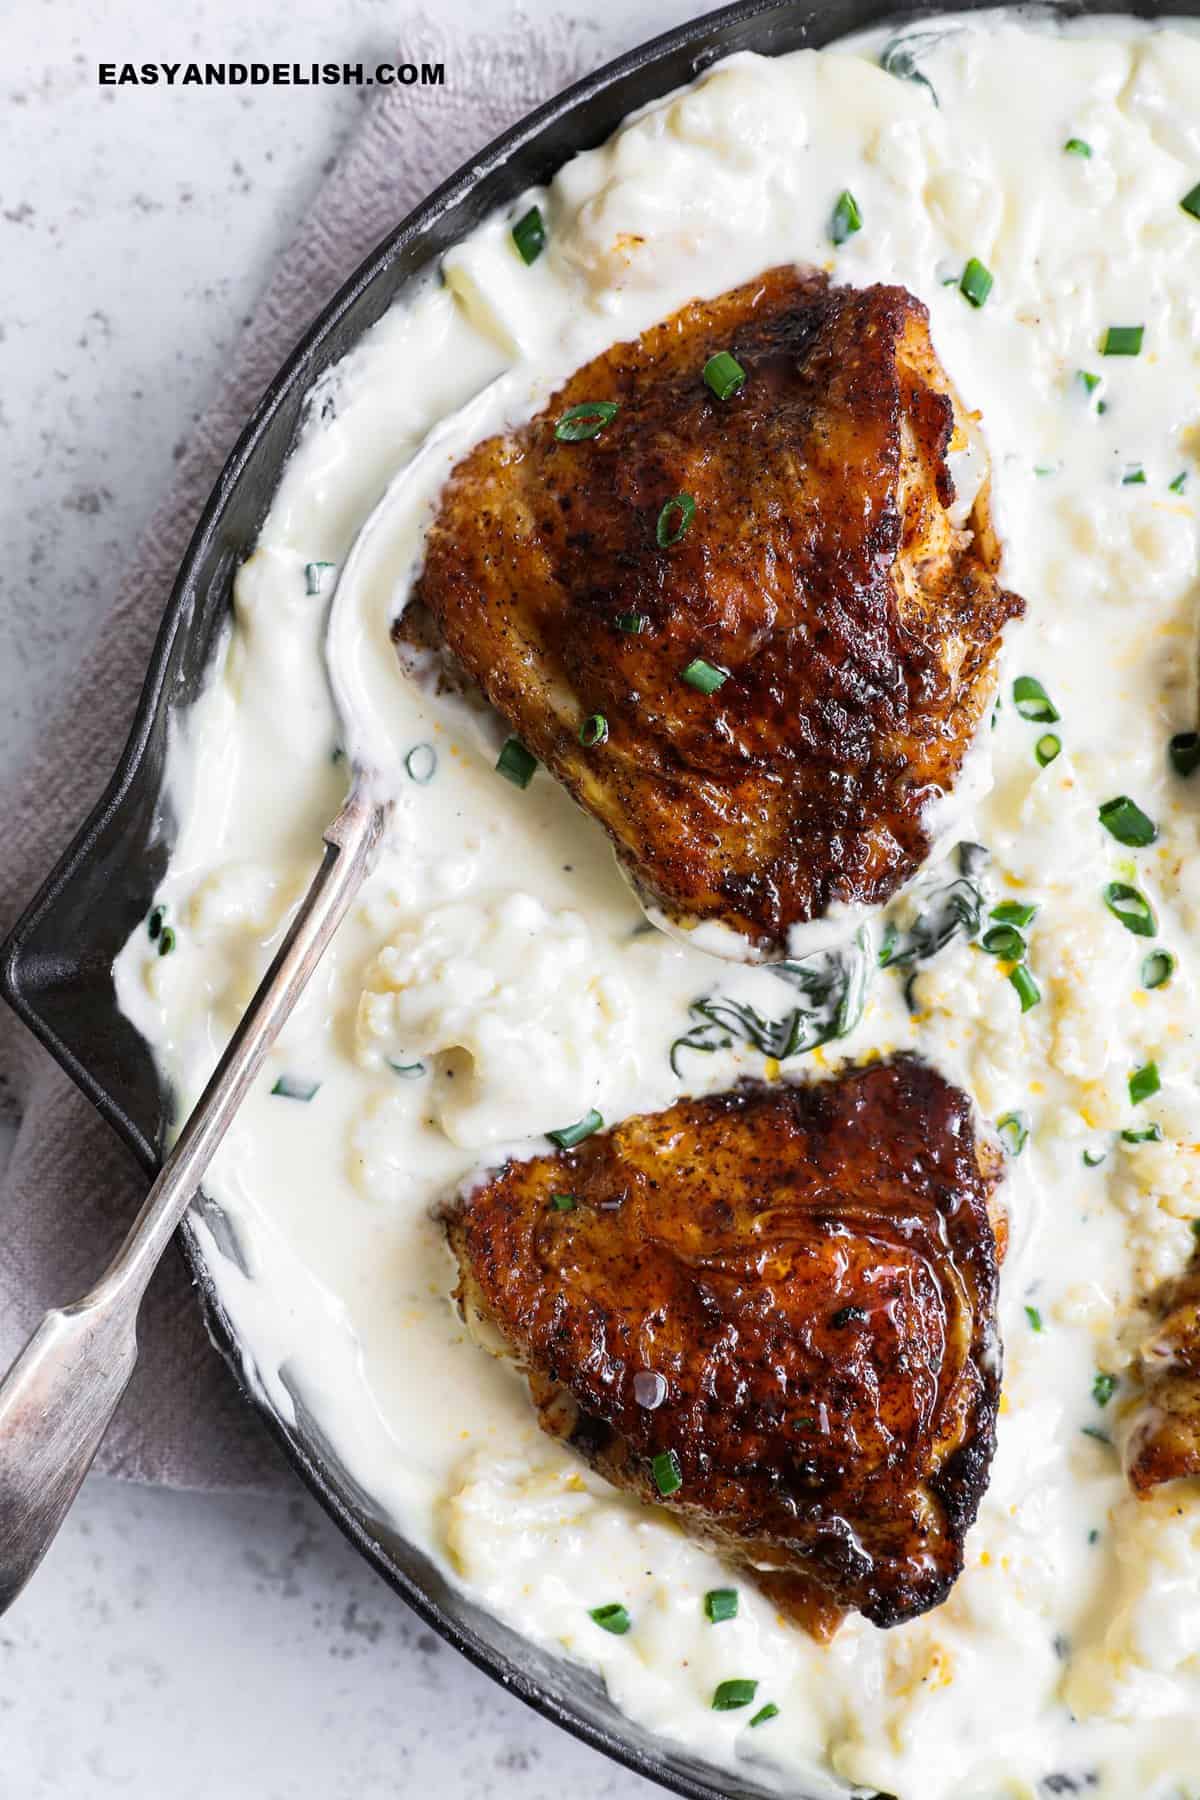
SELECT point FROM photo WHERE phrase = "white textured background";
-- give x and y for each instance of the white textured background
(173, 1645)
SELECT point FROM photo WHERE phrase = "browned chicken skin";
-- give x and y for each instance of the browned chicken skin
(859, 629)
(1164, 1443)
(812, 1270)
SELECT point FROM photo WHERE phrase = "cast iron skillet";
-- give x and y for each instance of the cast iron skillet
(55, 968)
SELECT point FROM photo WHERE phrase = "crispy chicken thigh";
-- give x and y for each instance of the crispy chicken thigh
(853, 629)
(786, 1296)
(1164, 1443)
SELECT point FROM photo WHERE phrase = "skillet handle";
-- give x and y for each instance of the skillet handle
(59, 1396)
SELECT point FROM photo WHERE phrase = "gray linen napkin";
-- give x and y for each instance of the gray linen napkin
(70, 1189)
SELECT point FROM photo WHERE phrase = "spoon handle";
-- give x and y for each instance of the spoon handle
(58, 1397)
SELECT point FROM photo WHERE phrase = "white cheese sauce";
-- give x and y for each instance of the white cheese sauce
(497, 979)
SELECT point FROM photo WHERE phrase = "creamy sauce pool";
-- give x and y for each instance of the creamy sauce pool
(496, 979)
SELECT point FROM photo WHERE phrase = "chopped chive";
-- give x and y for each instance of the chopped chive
(632, 622)
(1122, 340)
(674, 520)
(1034, 1317)
(412, 1071)
(1127, 822)
(1033, 702)
(1093, 1158)
(1191, 202)
(1144, 1082)
(724, 375)
(705, 676)
(1134, 477)
(563, 1202)
(593, 731)
(846, 220)
(1103, 1388)
(1015, 912)
(1100, 1437)
(1144, 1134)
(529, 235)
(154, 923)
(668, 1476)
(312, 576)
(1077, 147)
(421, 763)
(1184, 751)
(1090, 382)
(721, 1604)
(1013, 1128)
(516, 763)
(729, 1695)
(1180, 482)
(586, 420)
(567, 1136)
(1047, 748)
(1157, 969)
(1005, 941)
(1027, 990)
(1131, 907)
(769, 1711)
(166, 941)
(612, 1617)
(291, 1087)
(976, 283)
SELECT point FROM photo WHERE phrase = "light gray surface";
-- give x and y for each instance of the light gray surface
(173, 1644)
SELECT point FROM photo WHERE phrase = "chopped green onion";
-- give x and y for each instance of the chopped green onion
(724, 375)
(668, 1476)
(632, 622)
(1015, 912)
(1123, 340)
(667, 534)
(421, 763)
(1013, 1128)
(1191, 202)
(720, 1604)
(1157, 969)
(1027, 990)
(166, 941)
(612, 1617)
(1093, 1158)
(517, 763)
(563, 1202)
(1033, 702)
(846, 218)
(154, 923)
(312, 576)
(1103, 1388)
(1090, 382)
(586, 420)
(1047, 748)
(1005, 941)
(1180, 482)
(976, 283)
(1144, 1082)
(1184, 751)
(593, 731)
(1034, 1317)
(732, 1694)
(529, 235)
(769, 1711)
(412, 1071)
(1127, 822)
(1101, 1437)
(1077, 147)
(705, 676)
(567, 1136)
(291, 1087)
(1144, 1134)
(1134, 477)
(1131, 907)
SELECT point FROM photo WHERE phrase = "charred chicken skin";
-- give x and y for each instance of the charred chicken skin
(784, 1296)
(1164, 1443)
(852, 628)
